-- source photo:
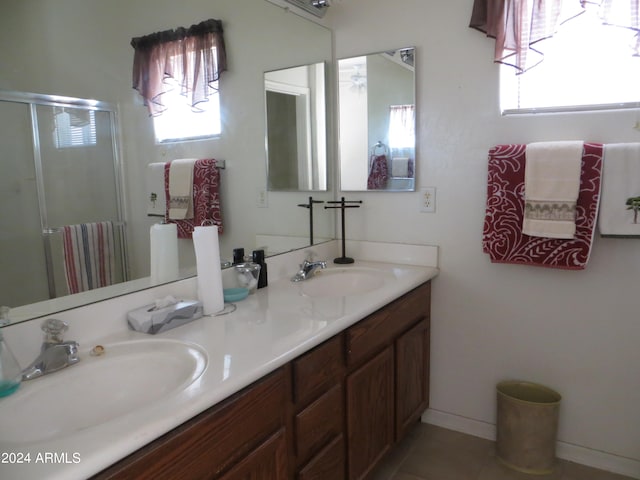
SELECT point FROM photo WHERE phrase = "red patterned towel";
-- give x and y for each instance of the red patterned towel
(378, 173)
(206, 198)
(503, 239)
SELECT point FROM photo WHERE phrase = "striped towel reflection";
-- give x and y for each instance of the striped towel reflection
(89, 255)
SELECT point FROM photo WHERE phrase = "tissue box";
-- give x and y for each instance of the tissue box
(150, 319)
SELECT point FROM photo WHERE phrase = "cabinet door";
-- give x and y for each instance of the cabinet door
(267, 462)
(370, 413)
(412, 376)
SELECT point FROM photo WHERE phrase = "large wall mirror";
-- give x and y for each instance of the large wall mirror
(81, 49)
(296, 136)
(376, 95)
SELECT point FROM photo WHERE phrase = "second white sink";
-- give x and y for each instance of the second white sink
(127, 377)
(344, 282)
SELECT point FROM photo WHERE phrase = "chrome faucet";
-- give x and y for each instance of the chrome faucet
(307, 269)
(55, 353)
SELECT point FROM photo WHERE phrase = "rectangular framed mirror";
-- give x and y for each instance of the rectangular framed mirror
(376, 112)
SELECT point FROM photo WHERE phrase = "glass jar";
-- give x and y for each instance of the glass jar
(248, 274)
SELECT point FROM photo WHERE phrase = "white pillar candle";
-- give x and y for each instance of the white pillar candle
(207, 248)
(163, 246)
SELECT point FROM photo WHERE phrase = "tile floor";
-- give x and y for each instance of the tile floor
(433, 453)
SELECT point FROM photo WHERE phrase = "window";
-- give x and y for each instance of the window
(177, 73)
(402, 126)
(587, 66)
(181, 121)
(74, 128)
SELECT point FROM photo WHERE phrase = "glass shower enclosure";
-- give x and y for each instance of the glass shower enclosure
(60, 169)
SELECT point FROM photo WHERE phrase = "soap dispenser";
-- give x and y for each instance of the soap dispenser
(10, 372)
(258, 257)
(238, 256)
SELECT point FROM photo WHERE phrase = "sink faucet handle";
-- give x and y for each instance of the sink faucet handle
(53, 330)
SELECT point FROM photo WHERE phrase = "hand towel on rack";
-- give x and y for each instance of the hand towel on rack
(551, 187)
(181, 188)
(378, 172)
(155, 189)
(206, 198)
(503, 239)
(89, 255)
(619, 213)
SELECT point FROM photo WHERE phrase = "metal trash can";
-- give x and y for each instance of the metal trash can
(527, 426)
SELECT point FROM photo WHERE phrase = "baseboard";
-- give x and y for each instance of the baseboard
(573, 453)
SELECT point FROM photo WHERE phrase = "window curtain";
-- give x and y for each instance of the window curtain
(519, 25)
(622, 13)
(402, 138)
(192, 58)
(402, 132)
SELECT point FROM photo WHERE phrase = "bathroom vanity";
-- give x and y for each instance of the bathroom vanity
(331, 413)
(310, 380)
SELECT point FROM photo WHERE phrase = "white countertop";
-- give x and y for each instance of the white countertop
(268, 329)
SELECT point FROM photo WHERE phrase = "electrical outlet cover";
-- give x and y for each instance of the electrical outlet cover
(262, 199)
(428, 199)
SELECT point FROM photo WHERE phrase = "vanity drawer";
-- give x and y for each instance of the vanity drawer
(267, 462)
(318, 370)
(328, 464)
(317, 424)
(382, 327)
(213, 441)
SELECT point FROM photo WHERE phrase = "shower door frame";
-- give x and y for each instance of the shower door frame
(33, 100)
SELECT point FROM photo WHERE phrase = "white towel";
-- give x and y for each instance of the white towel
(400, 167)
(551, 188)
(156, 195)
(620, 183)
(181, 189)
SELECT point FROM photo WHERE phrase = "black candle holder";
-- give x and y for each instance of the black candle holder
(342, 204)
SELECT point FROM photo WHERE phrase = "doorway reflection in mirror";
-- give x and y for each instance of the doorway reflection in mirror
(296, 139)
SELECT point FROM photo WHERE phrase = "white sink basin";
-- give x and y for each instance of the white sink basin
(128, 376)
(344, 282)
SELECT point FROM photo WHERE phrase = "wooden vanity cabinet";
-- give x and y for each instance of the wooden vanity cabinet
(330, 414)
(387, 378)
(370, 413)
(318, 396)
(243, 437)
(412, 376)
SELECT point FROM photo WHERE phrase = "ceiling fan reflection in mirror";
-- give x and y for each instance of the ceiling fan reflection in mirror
(315, 7)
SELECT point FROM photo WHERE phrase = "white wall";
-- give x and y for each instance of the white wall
(577, 332)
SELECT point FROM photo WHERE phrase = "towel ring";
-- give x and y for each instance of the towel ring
(377, 146)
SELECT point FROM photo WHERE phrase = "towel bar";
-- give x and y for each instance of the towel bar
(52, 230)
